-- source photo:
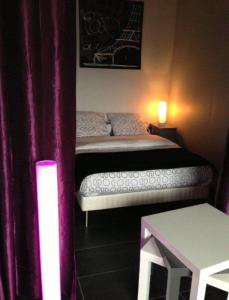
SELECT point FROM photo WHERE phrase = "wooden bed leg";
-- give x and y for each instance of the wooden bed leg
(86, 223)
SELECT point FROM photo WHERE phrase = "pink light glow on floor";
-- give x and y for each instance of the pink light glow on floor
(47, 196)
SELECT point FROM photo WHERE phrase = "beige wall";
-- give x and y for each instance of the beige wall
(134, 90)
(199, 99)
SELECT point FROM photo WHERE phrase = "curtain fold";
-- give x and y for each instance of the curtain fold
(37, 115)
(7, 255)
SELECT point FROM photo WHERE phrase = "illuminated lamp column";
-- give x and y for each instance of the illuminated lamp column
(48, 217)
(162, 112)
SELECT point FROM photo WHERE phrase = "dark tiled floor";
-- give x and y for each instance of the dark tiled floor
(108, 256)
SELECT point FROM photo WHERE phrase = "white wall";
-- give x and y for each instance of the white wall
(133, 90)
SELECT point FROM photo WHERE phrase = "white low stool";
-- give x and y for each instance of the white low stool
(220, 281)
(151, 252)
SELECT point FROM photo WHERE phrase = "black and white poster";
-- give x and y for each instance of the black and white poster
(110, 33)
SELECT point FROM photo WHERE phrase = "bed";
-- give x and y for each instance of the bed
(122, 165)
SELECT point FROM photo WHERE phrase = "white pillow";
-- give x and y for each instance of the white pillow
(90, 123)
(127, 124)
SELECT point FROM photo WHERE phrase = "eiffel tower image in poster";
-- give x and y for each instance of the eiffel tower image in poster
(111, 37)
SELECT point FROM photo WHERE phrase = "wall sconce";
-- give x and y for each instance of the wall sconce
(48, 217)
(162, 113)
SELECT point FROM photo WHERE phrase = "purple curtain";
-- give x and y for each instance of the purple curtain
(37, 119)
(223, 198)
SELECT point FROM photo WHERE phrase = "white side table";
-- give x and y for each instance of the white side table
(198, 236)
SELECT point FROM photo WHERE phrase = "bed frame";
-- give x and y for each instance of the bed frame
(90, 203)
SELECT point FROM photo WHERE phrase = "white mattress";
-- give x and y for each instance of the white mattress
(133, 181)
(122, 143)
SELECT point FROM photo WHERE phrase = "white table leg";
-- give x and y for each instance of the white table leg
(145, 233)
(173, 286)
(144, 278)
(198, 287)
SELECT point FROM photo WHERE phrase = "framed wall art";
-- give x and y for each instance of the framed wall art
(110, 33)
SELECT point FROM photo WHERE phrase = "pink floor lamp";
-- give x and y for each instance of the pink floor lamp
(47, 197)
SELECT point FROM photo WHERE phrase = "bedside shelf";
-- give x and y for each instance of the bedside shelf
(167, 131)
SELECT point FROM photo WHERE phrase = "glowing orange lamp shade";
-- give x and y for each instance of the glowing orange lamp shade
(162, 112)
